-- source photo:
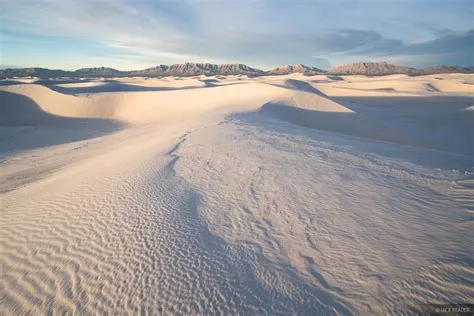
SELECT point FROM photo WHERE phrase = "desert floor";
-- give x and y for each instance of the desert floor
(269, 195)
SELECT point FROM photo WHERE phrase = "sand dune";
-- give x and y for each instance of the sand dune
(60, 104)
(399, 84)
(131, 84)
(135, 107)
(273, 195)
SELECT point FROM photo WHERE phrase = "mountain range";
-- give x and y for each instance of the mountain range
(371, 69)
(196, 69)
(288, 69)
(384, 68)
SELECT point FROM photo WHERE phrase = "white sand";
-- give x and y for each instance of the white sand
(272, 195)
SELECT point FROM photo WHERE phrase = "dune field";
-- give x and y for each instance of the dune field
(271, 195)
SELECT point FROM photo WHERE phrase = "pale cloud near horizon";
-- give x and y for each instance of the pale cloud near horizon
(262, 33)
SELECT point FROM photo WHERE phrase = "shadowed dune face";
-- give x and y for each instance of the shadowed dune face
(423, 105)
(18, 110)
(441, 122)
(9, 82)
(100, 88)
(447, 127)
(349, 123)
(25, 125)
(45, 82)
(114, 86)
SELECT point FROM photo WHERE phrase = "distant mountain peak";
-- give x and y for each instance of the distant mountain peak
(98, 72)
(296, 68)
(370, 69)
(196, 69)
(102, 68)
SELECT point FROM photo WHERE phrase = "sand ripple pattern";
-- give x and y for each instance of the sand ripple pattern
(131, 241)
(375, 225)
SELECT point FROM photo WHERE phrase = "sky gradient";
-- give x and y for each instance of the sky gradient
(137, 34)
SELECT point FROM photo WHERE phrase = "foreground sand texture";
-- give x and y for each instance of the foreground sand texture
(270, 195)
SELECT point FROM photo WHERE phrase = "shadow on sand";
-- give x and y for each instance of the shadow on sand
(436, 122)
(348, 123)
(109, 86)
(452, 151)
(443, 121)
(24, 125)
(117, 86)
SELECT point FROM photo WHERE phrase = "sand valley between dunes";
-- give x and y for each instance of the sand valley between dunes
(272, 195)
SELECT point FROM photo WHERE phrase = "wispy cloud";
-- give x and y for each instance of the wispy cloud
(259, 32)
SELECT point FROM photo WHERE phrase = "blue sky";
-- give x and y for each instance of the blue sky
(128, 34)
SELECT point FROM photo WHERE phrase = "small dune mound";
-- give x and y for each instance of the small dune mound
(299, 85)
(296, 85)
